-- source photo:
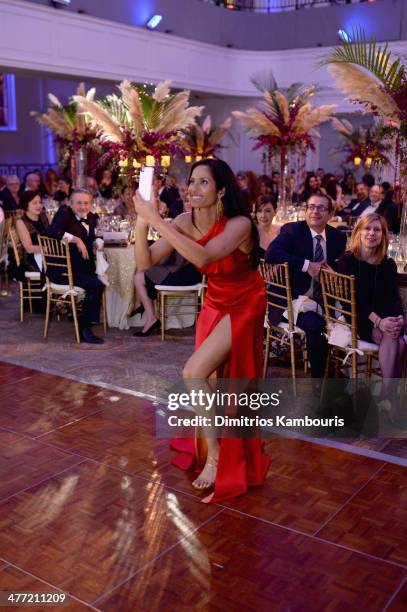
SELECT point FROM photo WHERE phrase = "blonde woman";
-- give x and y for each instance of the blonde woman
(379, 308)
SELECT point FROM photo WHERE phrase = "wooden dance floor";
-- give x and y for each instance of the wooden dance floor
(90, 505)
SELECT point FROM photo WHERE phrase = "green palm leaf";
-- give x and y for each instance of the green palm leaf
(69, 111)
(367, 54)
(116, 108)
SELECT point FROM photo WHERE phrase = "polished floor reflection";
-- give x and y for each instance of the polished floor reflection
(90, 505)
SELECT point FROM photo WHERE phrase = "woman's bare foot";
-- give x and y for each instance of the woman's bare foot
(207, 477)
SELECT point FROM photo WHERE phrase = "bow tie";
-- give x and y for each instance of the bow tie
(81, 220)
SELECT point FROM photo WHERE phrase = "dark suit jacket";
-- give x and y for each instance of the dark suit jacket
(294, 245)
(7, 200)
(353, 210)
(66, 221)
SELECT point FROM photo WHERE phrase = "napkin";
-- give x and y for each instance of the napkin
(101, 262)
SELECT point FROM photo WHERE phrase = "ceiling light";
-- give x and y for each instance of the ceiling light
(153, 22)
(344, 36)
(56, 2)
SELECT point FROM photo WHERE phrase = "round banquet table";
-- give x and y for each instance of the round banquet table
(120, 293)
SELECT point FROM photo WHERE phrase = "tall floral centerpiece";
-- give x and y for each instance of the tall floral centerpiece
(200, 141)
(285, 122)
(139, 128)
(372, 76)
(73, 133)
(362, 146)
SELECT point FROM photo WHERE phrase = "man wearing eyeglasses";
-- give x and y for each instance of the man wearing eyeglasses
(308, 246)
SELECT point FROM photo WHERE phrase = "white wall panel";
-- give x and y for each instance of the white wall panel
(86, 47)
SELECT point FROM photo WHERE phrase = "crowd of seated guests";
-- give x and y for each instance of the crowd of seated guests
(75, 221)
(310, 245)
(307, 246)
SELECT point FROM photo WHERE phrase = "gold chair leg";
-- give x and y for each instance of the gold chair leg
(30, 301)
(292, 351)
(162, 315)
(47, 313)
(354, 365)
(21, 302)
(75, 319)
(266, 353)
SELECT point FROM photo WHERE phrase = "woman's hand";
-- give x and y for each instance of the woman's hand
(146, 211)
(391, 326)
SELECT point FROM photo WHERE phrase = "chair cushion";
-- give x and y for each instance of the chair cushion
(368, 347)
(196, 287)
(363, 345)
(32, 275)
(64, 288)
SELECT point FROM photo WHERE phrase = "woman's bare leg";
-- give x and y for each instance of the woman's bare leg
(210, 355)
(391, 359)
(142, 298)
(391, 352)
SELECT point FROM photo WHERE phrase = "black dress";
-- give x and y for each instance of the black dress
(35, 229)
(376, 290)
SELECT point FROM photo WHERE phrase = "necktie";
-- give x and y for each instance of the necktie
(319, 256)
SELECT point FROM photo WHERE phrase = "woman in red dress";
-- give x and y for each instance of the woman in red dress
(219, 238)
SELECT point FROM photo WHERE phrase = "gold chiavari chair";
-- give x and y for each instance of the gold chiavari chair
(339, 295)
(12, 215)
(278, 289)
(30, 287)
(185, 300)
(9, 221)
(56, 255)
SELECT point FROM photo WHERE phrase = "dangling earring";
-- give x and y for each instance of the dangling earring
(219, 207)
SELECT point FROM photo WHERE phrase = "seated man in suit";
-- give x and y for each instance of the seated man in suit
(307, 246)
(76, 223)
(172, 204)
(359, 204)
(9, 193)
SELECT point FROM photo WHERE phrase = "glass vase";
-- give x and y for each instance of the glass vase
(79, 168)
(282, 215)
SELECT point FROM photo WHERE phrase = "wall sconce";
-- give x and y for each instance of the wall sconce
(150, 161)
(357, 160)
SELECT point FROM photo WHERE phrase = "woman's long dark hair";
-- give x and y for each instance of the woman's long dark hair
(233, 204)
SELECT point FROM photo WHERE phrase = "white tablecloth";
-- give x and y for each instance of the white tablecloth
(120, 293)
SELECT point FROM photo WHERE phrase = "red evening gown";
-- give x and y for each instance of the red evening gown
(237, 290)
